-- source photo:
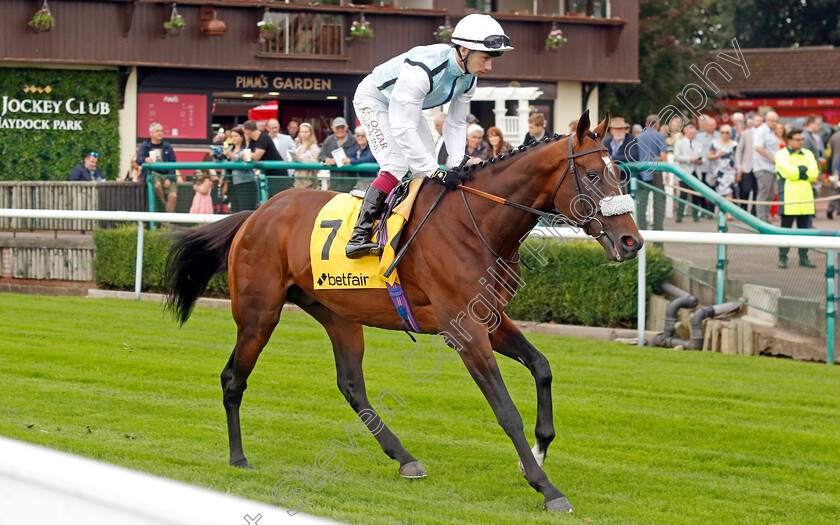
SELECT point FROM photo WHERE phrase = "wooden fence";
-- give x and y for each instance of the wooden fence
(83, 196)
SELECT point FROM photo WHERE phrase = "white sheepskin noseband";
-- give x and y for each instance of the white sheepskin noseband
(617, 205)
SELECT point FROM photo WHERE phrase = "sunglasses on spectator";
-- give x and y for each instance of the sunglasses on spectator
(492, 41)
(93, 154)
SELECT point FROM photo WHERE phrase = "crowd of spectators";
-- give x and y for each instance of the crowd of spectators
(740, 160)
(253, 141)
(756, 159)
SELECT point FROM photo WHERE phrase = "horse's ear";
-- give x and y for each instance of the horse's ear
(602, 128)
(583, 126)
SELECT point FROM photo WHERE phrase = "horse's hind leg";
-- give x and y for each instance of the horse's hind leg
(509, 341)
(256, 315)
(349, 347)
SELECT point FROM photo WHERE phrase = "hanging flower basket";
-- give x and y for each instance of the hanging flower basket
(268, 29)
(42, 20)
(443, 33)
(176, 22)
(555, 40)
(175, 25)
(360, 30)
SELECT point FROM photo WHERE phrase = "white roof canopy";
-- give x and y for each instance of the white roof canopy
(506, 93)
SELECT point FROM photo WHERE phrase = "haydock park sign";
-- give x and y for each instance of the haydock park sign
(16, 113)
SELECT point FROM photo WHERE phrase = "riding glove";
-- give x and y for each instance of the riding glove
(449, 178)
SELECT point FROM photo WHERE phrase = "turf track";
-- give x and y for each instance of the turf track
(643, 435)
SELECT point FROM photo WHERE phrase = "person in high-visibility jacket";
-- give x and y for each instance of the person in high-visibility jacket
(796, 169)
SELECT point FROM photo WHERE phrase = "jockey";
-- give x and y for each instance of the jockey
(389, 103)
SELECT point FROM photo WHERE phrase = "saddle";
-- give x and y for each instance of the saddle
(331, 269)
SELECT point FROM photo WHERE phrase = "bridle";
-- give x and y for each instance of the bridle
(552, 215)
(570, 166)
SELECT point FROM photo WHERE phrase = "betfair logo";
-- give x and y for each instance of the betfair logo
(343, 279)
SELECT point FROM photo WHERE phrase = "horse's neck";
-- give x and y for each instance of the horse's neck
(527, 179)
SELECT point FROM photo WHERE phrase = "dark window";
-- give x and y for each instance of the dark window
(596, 8)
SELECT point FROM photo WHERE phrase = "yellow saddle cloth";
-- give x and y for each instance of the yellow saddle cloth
(331, 269)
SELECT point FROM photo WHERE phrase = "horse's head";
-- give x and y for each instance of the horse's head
(589, 193)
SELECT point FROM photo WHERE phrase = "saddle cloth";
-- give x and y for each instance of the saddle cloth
(331, 269)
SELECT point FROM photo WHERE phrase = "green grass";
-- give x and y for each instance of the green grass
(643, 435)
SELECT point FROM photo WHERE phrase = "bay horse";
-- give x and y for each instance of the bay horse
(268, 262)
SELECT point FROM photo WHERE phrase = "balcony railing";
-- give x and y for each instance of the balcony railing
(307, 34)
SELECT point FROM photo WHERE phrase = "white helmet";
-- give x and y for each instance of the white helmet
(481, 33)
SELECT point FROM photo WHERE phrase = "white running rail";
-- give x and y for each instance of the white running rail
(41, 485)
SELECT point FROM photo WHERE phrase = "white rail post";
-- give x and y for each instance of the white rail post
(138, 271)
(642, 296)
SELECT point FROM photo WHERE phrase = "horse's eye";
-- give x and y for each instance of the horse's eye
(592, 174)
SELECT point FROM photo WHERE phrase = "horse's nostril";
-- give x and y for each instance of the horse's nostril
(628, 241)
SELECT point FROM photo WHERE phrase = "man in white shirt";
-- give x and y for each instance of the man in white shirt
(765, 146)
(744, 176)
(284, 143)
(706, 136)
(688, 154)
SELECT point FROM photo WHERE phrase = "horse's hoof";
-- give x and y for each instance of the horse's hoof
(241, 463)
(412, 470)
(560, 504)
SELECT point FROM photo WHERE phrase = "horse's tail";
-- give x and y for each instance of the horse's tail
(195, 257)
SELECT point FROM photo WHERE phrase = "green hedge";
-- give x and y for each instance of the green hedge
(34, 154)
(579, 286)
(114, 264)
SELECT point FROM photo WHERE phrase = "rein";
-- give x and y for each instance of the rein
(553, 213)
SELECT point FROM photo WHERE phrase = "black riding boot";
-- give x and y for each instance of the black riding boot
(359, 244)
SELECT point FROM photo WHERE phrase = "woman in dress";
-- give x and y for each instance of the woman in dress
(306, 151)
(497, 142)
(135, 172)
(780, 131)
(202, 200)
(722, 155)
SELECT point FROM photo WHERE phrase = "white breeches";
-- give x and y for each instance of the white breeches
(372, 109)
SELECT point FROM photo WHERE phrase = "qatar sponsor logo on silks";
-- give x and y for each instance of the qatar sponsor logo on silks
(376, 137)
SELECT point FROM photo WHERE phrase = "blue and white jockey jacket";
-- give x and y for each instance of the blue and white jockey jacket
(439, 64)
(422, 78)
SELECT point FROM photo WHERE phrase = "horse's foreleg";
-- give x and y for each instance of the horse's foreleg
(482, 366)
(349, 346)
(255, 322)
(509, 341)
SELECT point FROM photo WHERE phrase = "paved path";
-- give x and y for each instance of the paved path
(756, 265)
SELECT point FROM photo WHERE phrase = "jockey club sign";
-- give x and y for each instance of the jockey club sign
(17, 113)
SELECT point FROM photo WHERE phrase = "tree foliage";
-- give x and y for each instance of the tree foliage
(779, 23)
(673, 34)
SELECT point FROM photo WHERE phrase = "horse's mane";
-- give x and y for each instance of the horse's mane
(467, 172)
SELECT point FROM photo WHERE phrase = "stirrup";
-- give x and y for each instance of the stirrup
(357, 251)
